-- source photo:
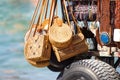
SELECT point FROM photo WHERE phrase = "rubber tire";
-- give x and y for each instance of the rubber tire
(89, 70)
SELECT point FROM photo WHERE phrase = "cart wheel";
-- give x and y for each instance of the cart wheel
(89, 70)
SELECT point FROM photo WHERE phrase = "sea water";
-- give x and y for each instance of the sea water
(15, 16)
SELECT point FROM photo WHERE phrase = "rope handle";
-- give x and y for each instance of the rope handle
(47, 4)
(66, 12)
(52, 9)
(43, 13)
(56, 9)
(74, 19)
(90, 10)
(40, 16)
(99, 6)
(34, 17)
(98, 10)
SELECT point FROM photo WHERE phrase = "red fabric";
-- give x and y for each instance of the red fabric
(105, 16)
(117, 14)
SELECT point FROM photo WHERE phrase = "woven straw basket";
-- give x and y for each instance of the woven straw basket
(78, 46)
(37, 48)
(60, 34)
(36, 55)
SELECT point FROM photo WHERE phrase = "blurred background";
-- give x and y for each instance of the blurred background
(15, 16)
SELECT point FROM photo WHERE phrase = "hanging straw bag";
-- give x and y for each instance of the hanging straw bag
(77, 46)
(60, 34)
(37, 48)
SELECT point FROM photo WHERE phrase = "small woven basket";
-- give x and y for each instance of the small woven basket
(60, 35)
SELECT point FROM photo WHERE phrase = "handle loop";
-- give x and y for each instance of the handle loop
(34, 17)
(66, 12)
(74, 19)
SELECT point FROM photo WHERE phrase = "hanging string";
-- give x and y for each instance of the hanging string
(98, 10)
(40, 17)
(52, 9)
(46, 9)
(90, 10)
(43, 11)
(73, 17)
(34, 17)
(66, 12)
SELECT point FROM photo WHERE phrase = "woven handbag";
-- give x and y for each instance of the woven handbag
(37, 47)
(60, 34)
(77, 46)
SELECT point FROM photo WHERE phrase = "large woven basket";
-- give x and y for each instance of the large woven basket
(37, 48)
(78, 46)
(37, 60)
(60, 35)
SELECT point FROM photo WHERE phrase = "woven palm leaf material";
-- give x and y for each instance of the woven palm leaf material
(39, 64)
(77, 46)
(33, 52)
(42, 29)
(37, 49)
(60, 34)
(36, 46)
